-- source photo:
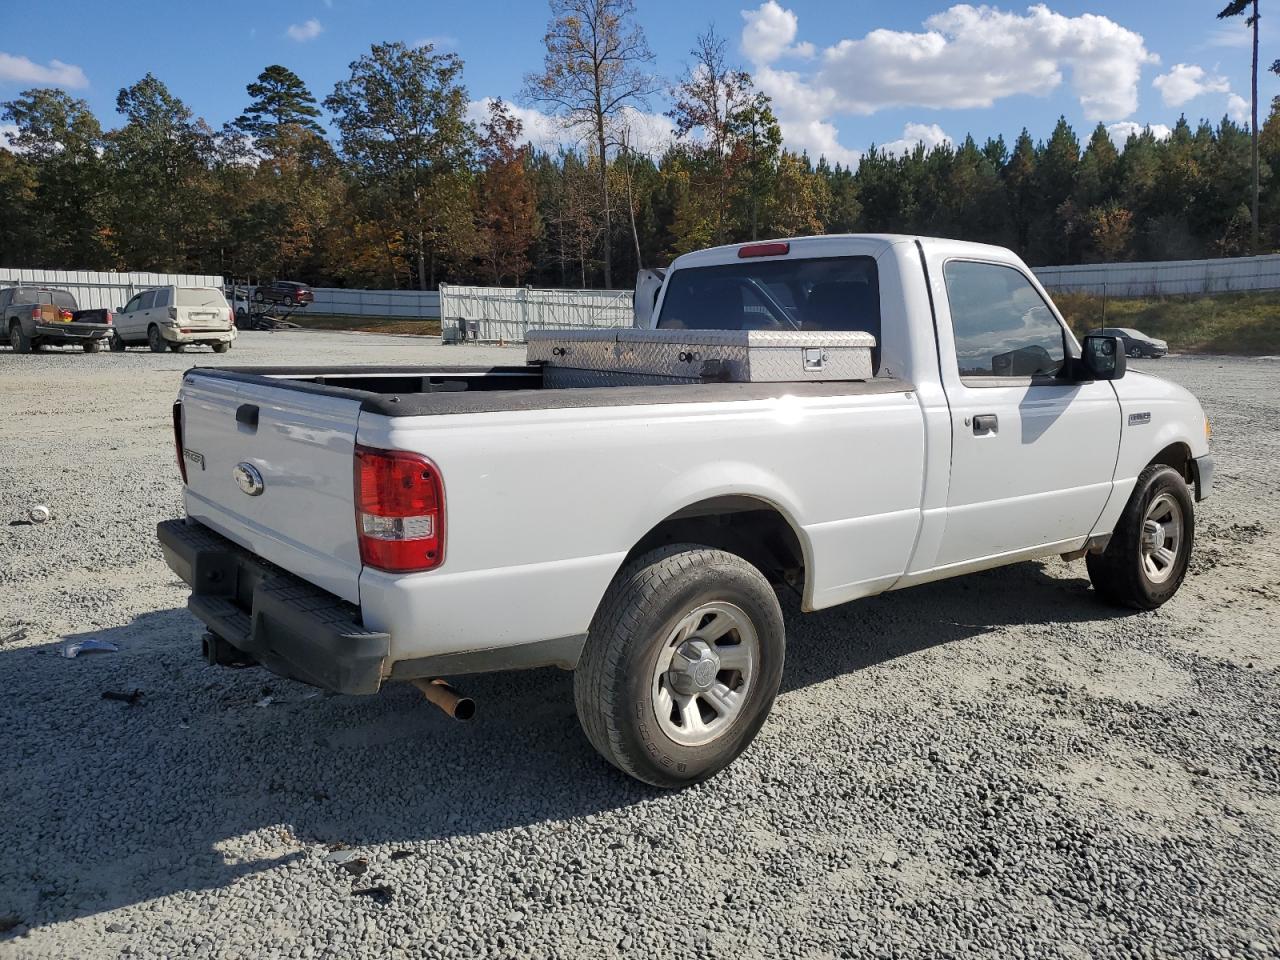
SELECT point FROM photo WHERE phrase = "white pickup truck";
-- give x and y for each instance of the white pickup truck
(350, 527)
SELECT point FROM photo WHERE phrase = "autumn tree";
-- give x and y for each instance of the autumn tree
(59, 139)
(594, 68)
(401, 118)
(160, 210)
(507, 205)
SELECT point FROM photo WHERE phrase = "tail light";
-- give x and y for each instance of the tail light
(231, 316)
(400, 519)
(173, 313)
(64, 314)
(36, 313)
(177, 439)
(111, 318)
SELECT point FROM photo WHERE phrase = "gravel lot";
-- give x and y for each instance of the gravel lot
(992, 765)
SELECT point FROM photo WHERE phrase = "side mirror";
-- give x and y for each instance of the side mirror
(1103, 358)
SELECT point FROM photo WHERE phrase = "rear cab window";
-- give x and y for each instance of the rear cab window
(805, 293)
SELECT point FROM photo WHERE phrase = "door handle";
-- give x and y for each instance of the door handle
(985, 424)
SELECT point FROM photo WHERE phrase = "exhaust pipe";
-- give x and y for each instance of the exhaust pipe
(446, 698)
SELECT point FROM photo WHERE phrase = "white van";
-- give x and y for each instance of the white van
(174, 317)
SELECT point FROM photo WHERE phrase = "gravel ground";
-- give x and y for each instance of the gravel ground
(992, 765)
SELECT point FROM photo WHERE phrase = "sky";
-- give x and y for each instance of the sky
(843, 74)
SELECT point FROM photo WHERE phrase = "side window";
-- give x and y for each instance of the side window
(133, 304)
(5, 297)
(1002, 326)
(164, 296)
(146, 300)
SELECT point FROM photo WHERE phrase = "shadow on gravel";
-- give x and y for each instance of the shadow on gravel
(212, 774)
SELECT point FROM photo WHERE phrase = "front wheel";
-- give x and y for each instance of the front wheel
(1147, 558)
(681, 666)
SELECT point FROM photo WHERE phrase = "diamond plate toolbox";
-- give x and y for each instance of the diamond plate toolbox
(744, 356)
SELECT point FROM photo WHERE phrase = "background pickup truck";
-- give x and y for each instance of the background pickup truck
(36, 316)
(350, 527)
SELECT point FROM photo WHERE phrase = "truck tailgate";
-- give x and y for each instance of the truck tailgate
(272, 469)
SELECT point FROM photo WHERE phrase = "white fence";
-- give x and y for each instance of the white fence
(411, 304)
(507, 313)
(1163, 278)
(94, 291)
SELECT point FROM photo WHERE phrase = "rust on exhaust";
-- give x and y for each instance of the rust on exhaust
(446, 698)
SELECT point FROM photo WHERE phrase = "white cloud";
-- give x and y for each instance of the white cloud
(928, 135)
(56, 74)
(973, 56)
(1120, 132)
(1186, 81)
(1238, 108)
(648, 133)
(308, 30)
(770, 33)
(7, 132)
(1232, 34)
(439, 42)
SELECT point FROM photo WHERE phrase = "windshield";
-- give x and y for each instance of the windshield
(200, 297)
(830, 293)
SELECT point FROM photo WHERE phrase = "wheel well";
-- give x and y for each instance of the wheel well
(751, 528)
(1178, 456)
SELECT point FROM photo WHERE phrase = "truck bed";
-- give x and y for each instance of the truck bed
(400, 391)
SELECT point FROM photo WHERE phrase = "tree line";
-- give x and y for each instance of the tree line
(407, 191)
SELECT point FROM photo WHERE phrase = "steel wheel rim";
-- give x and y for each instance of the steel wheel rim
(1162, 532)
(704, 673)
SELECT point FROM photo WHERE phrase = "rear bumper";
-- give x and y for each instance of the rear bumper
(73, 331)
(176, 335)
(288, 625)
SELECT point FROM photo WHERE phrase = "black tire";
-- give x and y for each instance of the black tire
(221, 347)
(177, 347)
(615, 680)
(117, 345)
(91, 346)
(1121, 573)
(258, 297)
(155, 340)
(20, 342)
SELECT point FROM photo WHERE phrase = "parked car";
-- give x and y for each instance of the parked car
(285, 292)
(1136, 343)
(34, 317)
(174, 318)
(637, 533)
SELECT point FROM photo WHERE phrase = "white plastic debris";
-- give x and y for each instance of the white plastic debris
(73, 648)
(39, 513)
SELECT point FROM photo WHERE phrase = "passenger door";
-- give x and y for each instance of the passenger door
(1033, 454)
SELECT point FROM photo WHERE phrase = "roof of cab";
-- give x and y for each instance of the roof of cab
(875, 243)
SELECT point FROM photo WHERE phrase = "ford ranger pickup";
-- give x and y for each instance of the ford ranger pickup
(352, 527)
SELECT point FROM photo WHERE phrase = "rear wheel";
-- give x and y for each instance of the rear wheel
(221, 347)
(20, 342)
(1147, 558)
(155, 340)
(681, 665)
(91, 346)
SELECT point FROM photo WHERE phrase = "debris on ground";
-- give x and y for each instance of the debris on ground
(39, 513)
(73, 648)
(129, 698)
(16, 637)
(382, 893)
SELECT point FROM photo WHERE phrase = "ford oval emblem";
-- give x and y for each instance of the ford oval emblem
(249, 479)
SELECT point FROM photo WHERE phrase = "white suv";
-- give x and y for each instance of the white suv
(174, 317)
